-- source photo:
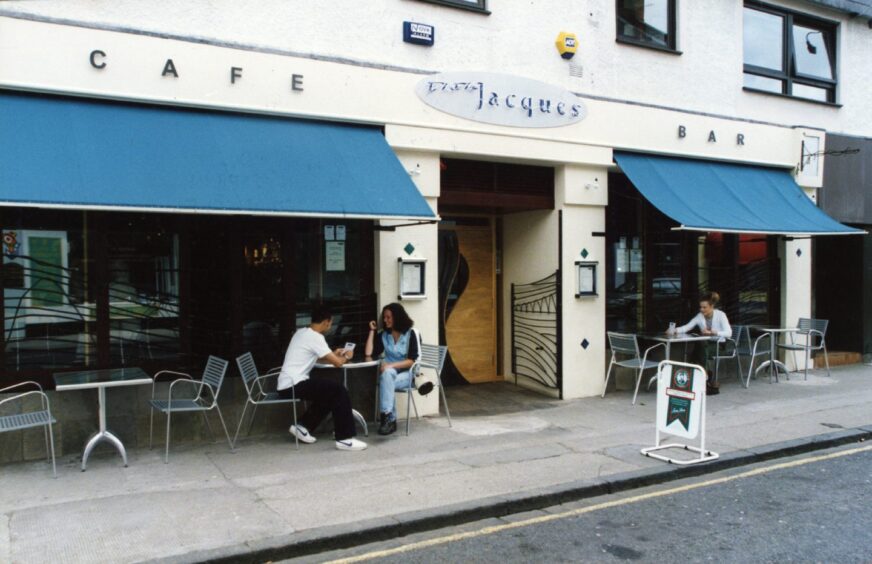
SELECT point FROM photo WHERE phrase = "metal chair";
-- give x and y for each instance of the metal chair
(809, 330)
(626, 344)
(433, 357)
(745, 347)
(730, 348)
(257, 394)
(29, 419)
(213, 377)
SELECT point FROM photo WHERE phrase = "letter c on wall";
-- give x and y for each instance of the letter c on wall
(94, 62)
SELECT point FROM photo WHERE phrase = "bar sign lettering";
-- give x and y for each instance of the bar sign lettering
(418, 33)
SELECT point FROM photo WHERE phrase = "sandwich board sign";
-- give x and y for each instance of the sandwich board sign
(681, 402)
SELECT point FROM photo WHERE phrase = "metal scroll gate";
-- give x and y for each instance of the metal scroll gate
(536, 332)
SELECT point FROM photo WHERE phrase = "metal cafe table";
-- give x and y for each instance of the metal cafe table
(353, 365)
(773, 363)
(669, 338)
(101, 379)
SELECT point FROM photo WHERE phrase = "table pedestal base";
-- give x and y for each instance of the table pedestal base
(359, 418)
(103, 434)
(774, 366)
(107, 436)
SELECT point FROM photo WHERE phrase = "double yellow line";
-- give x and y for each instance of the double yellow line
(590, 509)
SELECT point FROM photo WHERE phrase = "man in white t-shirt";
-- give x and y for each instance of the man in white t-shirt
(307, 347)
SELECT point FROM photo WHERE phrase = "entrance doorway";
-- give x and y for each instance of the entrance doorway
(475, 200)
(468, 296)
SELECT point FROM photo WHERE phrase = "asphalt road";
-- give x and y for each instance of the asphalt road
(813, 508)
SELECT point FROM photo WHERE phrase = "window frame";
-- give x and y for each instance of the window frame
(479, 7)
(672, 31)
(789, 74)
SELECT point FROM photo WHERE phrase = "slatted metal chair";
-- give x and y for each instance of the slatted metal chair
(204, 398)
(627, 345)
(812, 337)
(431, 357)
(760, 346)
(29, 418)
(728, 348)
(259, 393)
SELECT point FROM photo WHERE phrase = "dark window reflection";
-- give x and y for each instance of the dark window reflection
(806, 70)
(647, 21)
(49, 312)
(143, 258)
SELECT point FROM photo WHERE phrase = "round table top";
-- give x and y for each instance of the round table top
(353, 363)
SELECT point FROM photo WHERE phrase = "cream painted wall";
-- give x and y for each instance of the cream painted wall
(795, 288)
(389, 246)
(530, 241)
(517, 38)
(582, 194)
(55, 58)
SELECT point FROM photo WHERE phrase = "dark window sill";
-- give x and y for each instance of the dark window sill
(643, 44)
(789, 97)
(459, 6)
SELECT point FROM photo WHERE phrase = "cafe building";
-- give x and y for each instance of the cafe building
(166, 199)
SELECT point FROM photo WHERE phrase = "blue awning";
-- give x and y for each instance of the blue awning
(730, 198)
(85, 154)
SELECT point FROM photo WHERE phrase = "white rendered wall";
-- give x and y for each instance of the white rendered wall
(582, 194)
(795, 288)
(516, 38)
(55, 58)
(389, 246)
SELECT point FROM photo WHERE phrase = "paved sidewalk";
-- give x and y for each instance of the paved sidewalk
(210, 503)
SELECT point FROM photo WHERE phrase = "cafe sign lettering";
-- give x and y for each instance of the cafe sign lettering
(501, 99)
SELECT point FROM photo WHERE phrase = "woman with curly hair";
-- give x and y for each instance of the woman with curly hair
(399, 344)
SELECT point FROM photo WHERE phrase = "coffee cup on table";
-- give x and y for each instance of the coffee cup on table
(671, 329)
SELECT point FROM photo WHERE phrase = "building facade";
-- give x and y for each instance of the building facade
(545, 226)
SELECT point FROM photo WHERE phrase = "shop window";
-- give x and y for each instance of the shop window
(49, 312)
(789, 53)
(474, 5)
(649, 23)
(645, 280)
(143, 280)
(743, 269)
(334, 265)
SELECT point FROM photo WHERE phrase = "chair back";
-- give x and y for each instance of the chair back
(214, 373)
(248, 370)
(742, 337)
(805, 325)
(737, 333)
(623, 343)
(433, 356)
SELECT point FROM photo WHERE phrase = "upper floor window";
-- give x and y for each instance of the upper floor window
(789, 53)
(474, 5)
(650, 23)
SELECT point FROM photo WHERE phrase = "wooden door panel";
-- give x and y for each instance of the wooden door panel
(471, 329)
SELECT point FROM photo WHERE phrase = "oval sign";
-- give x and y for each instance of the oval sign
(501, 99)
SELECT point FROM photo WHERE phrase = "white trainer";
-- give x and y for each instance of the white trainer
(302, 434)
(350, 444)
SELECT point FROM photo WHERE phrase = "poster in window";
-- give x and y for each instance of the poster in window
(635, 260)
(622, 259)
(329, 232)
(340, 232)
(334, 260)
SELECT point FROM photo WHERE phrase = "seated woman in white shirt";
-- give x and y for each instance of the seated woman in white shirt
(709, 321)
